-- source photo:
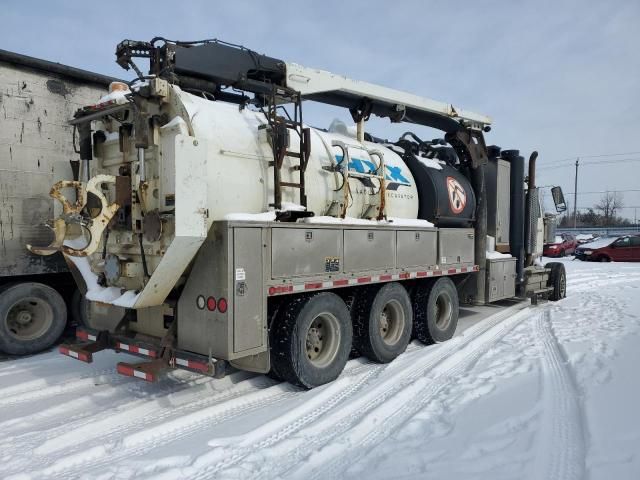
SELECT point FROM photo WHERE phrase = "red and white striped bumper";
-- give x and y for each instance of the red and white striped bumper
(345, 282)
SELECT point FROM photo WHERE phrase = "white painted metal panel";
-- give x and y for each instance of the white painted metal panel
(191, 220)
(309, 81)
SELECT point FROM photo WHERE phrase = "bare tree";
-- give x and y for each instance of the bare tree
(608, 206)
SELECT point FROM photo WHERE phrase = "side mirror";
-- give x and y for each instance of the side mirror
(558, 199)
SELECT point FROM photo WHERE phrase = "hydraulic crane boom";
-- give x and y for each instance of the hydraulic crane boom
(212, 65)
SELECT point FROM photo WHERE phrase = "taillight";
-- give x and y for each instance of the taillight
(211, 304)
(222, 305)
(201, 302)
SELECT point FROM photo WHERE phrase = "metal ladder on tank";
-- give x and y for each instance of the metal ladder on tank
(375, 210)
(279, 129)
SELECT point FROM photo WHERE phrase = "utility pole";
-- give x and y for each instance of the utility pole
(575, 196)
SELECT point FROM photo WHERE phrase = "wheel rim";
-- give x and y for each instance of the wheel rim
(563, 286)
(444, 311)
(29, 318)
(323, 340)
(391, 322)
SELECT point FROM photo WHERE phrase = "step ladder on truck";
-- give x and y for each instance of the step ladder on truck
(343, 241)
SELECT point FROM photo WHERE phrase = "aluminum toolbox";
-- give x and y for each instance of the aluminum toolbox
(455, 246)
(498, 180)
(501, 278)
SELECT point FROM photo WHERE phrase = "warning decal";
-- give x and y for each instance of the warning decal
(457, 195)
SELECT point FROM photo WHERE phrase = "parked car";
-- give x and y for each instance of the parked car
(618, 249)
(563, 244)
(586, 237)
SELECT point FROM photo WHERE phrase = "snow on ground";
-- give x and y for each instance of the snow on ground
(547, 392)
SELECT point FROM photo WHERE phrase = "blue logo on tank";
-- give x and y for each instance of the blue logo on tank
(393, 174)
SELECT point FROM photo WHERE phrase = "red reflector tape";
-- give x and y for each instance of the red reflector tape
(136, 349)
(451, 270)
(133, 372)
(84, 357)
(385, 278)
(364, 279)
(280, 289)
(192, 365)
(340, 283)
(312, 286)
(84, 335)
(405, 275)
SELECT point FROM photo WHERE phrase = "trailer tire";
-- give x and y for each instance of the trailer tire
(557, 280)
(310, 340)
(32, 317)
(382, 319)
(435, 311)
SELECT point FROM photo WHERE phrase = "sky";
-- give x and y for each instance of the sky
(558, 77)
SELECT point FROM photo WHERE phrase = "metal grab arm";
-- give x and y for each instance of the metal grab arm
(71, 213)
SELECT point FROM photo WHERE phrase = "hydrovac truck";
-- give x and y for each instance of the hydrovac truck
(209, 227)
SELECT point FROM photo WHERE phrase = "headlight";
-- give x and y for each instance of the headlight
(587, 252)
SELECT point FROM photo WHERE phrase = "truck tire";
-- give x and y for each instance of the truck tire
(310, 340)
(557, 280)
(435, 311)
(32, 317)
(382, 319)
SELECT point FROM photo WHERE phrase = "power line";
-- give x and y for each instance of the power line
(591, 156)
(606, 191)
(617, 208)
(593, 162)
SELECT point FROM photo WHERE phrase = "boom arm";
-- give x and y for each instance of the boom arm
(212, 65)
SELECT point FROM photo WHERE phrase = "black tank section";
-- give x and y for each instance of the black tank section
(446, 196)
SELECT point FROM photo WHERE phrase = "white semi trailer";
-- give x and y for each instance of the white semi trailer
(37, 98)
(211, 226)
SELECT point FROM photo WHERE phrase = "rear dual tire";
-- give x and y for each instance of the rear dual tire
(382, 318)
(436, 309)
(32, 317)
(310, 340)
(312, 335)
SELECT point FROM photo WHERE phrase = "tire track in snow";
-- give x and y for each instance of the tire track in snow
(41, 389)
(340, 420)
(126, 416)
(610, 280)
(75, 464)
(561, 439)
(354, 440)
(101, 456)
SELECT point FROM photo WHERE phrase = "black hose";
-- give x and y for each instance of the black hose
(144, 258)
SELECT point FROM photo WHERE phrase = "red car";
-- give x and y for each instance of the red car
(622, 249)
(564, 244)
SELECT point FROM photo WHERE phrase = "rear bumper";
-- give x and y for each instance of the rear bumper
(159, 357)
